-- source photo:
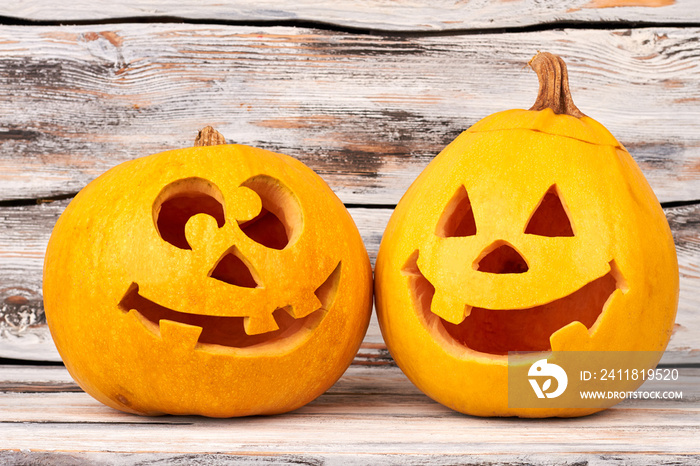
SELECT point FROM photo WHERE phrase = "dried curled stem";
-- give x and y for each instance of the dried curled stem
(554, 90)
(208, 136)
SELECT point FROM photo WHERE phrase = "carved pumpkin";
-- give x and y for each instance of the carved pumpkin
(534, 231)
(221, 280)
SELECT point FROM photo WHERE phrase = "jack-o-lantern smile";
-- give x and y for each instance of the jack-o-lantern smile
(230, 331)
(498, 331)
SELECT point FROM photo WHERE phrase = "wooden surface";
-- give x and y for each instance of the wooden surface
(370, 415)
(365, 93)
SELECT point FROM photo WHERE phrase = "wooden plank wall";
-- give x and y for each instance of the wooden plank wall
(365, 93)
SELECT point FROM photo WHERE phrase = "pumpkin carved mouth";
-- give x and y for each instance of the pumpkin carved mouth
(498, 331)
(228, 331)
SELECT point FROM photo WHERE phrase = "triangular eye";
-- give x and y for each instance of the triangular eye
(457, 219)
(550, 217)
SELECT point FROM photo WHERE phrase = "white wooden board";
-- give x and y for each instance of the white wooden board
(371, 415)
(387, 15)
(366, 112)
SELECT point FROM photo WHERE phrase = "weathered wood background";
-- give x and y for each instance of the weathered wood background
(367, 111)
(365, 93)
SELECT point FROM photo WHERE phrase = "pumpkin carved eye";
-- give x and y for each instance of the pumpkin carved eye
(550, 217)
(279, 222)
(181, 200)
(185, 198)
(457, 220)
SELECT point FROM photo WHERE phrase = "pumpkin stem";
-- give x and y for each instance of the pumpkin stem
(554, 90)
(208, 136)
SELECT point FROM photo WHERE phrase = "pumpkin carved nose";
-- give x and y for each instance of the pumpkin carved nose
(502, 259)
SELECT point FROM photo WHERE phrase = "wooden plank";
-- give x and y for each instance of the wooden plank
(370, 412)
(23, 330)
(36, 379)
(25, 230)
(383, 15)
(367, 112)
(685, 224)
(342, 459)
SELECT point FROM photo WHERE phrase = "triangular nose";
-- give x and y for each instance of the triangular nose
(502, 259)
(232, 269)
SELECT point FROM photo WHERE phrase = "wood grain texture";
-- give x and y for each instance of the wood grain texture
(341, 458)
(23, 330)
(385, 15)
(366, 112)
(371, 414)
(25, 230)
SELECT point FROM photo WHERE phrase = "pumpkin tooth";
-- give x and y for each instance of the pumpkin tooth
(328, 289)
(572, 335)
(467, 310)
(183, 335)
(449, 307)
(304, 307)
(259, 324)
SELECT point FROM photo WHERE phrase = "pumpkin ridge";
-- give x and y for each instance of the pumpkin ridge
(516, 127)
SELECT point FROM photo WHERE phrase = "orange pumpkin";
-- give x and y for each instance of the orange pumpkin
(534, 231)
(221, 280)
